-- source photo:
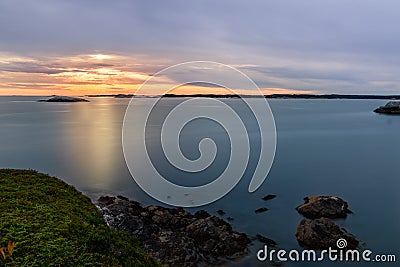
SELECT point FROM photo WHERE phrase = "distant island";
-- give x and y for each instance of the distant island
(63, 99)
(272, 96)
(392, 107)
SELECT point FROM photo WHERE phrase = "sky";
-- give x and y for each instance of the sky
(80, 47)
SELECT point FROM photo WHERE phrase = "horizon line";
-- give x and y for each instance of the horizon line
(206, 94)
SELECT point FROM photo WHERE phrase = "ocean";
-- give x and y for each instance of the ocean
(324, 147)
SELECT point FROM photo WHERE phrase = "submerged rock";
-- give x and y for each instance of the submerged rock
(392, 107)
(106, 200)
(261, 210)
(269, 197)
(122, 197)
(176, 237)
(266, 240)
(64, 99)
(323, 233)
(221, 212)
(323, 206)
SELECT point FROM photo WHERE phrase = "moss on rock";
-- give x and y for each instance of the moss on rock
(53, 224)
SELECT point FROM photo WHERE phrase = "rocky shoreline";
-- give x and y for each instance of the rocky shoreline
(174, 236)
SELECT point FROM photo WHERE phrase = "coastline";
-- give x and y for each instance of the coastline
(50, 223)
(175, 236)
(56, 222)
(271, 96)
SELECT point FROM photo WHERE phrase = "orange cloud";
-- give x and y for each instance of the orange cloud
(75, 75)
(91, 74)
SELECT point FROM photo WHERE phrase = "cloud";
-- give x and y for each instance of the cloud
(28, 67)
(204, 84)
(29, 85)
(337, 46)
(78, 73)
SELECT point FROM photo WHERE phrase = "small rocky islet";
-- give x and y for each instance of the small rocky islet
(323, 233)
(392, 107)
(66, 99)
(318, 230)
(324, 206)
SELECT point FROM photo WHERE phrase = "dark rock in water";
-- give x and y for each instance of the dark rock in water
(64, 99)
(174, 236)
(266, 240)
(201, 214)
(221, 212)
(269, 197)
(349, 212)
(106, 200)
(122, 198)
(260, 210)
(208, 234)
(323, 233)
(392, 107)
(323, 206)
(230, 219)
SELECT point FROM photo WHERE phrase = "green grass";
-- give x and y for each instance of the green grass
(52, 224)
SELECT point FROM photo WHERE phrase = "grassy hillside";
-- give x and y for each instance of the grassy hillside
(52, 224)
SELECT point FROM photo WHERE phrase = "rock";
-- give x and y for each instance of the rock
(266, 240)
(269, 197)
(64, 99)
(174, 236)
(106, 200)
(323, 206)
(122, 198)
(201, 214)
(230, 219)
(221, 212)
(215, 237)
(260, 210)
(323, 233)
(392, 107)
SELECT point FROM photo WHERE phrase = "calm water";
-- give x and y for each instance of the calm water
(332, 147)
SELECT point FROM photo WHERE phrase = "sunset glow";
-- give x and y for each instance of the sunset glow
(72, 75)
(101, 56)
(89, 74)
